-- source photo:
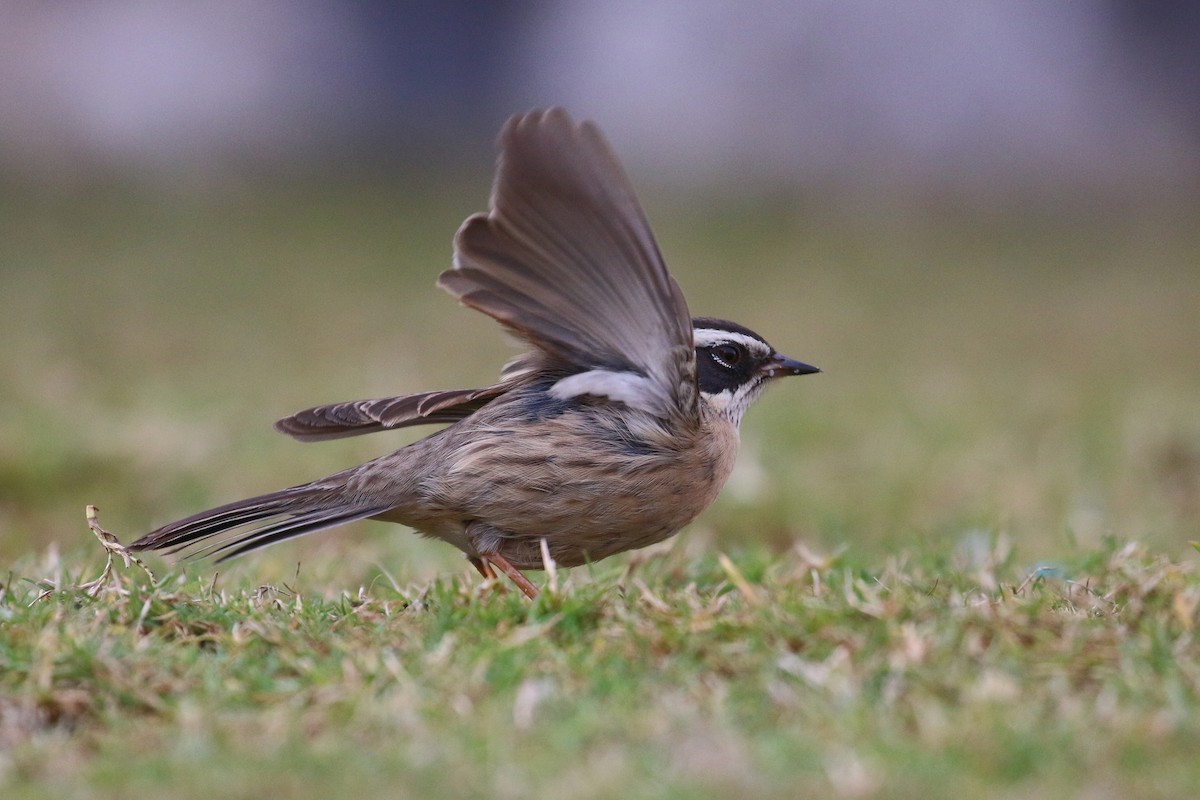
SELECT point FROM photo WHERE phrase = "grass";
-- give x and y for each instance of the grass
(955, 564)
(951, 676)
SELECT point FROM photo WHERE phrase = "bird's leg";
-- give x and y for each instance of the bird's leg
(487, 542)
(512, 572)
(484, 567)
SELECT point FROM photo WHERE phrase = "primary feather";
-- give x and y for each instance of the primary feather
(567, 261)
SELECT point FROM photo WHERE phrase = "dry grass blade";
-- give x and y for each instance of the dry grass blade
(550, 566)
(752, 595)
(113, 547)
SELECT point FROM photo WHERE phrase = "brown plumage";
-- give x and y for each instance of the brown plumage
(613, 431)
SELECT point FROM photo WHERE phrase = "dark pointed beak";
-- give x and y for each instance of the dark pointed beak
(781, 366)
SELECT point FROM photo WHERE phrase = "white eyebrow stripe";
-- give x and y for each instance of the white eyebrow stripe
(707, 337)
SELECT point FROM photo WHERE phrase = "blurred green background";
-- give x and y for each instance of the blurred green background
(982, 226)
(1026, 371)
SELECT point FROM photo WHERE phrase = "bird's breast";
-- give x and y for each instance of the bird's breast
(591, 480)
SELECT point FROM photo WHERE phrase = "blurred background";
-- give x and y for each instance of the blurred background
(979, 218)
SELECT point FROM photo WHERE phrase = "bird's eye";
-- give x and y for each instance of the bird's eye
(727, 355)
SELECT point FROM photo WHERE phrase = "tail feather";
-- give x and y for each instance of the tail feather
(231, 530)
(180, 534)
(288, 528)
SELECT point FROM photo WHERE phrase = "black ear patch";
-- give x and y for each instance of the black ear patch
(730, 355)
(717, 371)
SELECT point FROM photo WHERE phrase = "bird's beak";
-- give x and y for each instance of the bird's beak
(781, 366)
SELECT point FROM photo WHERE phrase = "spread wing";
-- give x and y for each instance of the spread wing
(566, 260)
(367, 416)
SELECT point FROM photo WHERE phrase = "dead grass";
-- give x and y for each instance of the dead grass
(705, 678)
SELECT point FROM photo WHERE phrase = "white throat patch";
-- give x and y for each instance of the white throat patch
(733, 403)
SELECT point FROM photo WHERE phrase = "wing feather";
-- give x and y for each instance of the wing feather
(567, 261)
(338, 420)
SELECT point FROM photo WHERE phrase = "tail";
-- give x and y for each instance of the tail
(236, 528)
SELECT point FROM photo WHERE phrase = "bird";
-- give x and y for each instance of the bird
(614, 428)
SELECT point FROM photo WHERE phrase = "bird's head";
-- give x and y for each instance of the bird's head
(734, 364)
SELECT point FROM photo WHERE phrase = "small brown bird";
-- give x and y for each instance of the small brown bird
(614, 430)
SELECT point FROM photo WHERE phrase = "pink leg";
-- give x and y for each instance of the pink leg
(513, 573)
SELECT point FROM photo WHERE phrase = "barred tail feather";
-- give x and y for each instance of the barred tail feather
(239, 527)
